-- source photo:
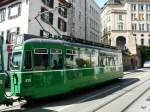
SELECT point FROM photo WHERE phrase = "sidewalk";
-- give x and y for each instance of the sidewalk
(132, 71)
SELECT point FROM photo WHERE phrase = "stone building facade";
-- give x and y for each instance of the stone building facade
(126, 23)
(18, 17)
(84, 20)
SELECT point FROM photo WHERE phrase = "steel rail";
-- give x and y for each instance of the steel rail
(105, 104)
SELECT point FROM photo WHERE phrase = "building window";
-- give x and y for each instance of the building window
(79, 16)
(62, 11)
(133, 7)
(11, 35)
(120, 17)
(148, 7)
(148, 27)
(73, 12)
(141, 7)
(47, 17)
(120, 26)
(147, 16)
(142, 35)
(109, 28)
(134, 26)
(14, 11)
(49, 3)
(133, 16)
(142, 41)
(80, 30)
(141, 17)
(62, 25)
(141, 27)
(2, 15)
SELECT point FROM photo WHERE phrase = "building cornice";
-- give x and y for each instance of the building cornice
(5, 2)
(137, 0)
(110, 5)
(132, 31)
(118, 11)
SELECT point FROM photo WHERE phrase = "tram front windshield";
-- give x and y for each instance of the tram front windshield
(1, 61)
(16, 61)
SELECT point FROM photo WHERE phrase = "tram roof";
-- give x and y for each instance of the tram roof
(63, 42)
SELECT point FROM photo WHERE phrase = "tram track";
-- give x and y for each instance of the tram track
(102, 94)
(126, 92)
(120, 85)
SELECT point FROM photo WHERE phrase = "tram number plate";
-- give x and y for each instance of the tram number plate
(28, 80)
(1, 82)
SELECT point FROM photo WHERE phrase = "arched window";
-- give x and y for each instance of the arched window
(142, 35)
(120, 42)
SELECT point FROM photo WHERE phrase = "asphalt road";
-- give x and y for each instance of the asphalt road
(130, 94)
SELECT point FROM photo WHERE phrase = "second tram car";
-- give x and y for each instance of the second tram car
(2, 75)
(46, 67)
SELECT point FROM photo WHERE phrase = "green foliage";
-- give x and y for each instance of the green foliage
(145, 53)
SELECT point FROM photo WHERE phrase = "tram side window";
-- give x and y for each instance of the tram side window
(84, 59)
(71, 59)
(94, 58)
(41, 59)
(101, 59)
(56, 59)
(28, 60)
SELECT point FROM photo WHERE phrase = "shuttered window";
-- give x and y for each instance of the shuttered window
(49, 3)
(62, 25)
(47, 17)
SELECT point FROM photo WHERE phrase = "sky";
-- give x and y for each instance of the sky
(101, 2)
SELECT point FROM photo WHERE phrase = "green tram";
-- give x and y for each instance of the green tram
(48, 67)
(2, 75)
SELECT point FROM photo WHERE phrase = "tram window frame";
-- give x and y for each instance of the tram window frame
(25, 59)
(84, 63)
(57, 66)
(45, 65)
(42, 49)
(102, 57)
(72, 63)
(14, 66)
(94, 54)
